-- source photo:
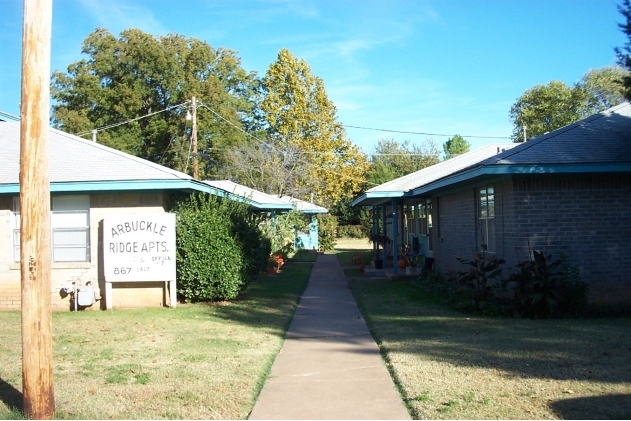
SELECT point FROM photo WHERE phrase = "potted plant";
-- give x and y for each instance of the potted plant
(272, 265)
(379, 240)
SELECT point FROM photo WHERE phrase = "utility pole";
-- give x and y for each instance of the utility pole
(195, 164)
(525, 138)
(37, 343)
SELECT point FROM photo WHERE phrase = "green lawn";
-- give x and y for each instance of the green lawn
(450, 365)
(205, 361)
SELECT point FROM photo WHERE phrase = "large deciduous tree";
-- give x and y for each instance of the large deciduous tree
(391, 159)
(298, 112)
(272, 167)
(455, 146)
(544, 108)
(603, 87)
(138, 74)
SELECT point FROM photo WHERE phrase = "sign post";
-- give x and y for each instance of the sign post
(139, 248)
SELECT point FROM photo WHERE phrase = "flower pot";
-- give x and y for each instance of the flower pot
(402, 263)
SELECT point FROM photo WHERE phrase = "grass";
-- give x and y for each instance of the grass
(303, 255)
(205, 361)
(448, 365)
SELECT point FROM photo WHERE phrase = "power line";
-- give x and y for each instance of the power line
(266, 143)
(132, 120)
(422, 133)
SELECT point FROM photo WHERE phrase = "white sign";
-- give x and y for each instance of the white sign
(139, 247)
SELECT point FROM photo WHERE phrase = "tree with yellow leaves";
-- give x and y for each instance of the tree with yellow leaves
(298, 112)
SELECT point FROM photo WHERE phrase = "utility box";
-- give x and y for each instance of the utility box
(85, 296)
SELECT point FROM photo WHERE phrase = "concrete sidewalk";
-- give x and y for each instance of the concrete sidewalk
(329, 366)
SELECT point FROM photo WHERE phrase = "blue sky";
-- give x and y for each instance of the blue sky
(428, 66)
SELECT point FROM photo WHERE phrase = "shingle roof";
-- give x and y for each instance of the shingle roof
(441, 169)
(257, 198)
(599, 143)
(73, 159)
(404, 186)
(304, 206)
(603, 138)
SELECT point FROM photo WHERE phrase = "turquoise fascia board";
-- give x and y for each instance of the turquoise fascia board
(377, 197)
(105, 186)
(252, 203)
(511, 169)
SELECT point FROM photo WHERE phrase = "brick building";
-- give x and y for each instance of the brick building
(89, 182)
(568, 191)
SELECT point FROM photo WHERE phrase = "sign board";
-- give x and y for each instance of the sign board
(139, 247)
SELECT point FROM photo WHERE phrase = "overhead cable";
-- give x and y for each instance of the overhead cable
(424, 134)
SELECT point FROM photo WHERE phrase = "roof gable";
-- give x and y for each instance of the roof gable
(73, 159)
(255, 198)
(603, 138)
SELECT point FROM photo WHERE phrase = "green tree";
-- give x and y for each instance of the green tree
(544, 108)
(138, 74)
(604, 88)
(624, 54)
(547, 107)
(455, 146)
(298, 111)
(391, 159)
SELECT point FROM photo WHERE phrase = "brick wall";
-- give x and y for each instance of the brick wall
(101, 206)
(588, 218)
(454, 229)
(456, 234)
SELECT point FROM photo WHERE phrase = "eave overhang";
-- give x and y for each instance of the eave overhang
(513, 169)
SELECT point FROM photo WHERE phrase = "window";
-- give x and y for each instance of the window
(486, 219)
(70, 229)
(70, 223)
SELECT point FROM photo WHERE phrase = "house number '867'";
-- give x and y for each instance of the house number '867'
(122, 271)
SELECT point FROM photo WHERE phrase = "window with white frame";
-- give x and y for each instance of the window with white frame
(70, 228)
(486, 219)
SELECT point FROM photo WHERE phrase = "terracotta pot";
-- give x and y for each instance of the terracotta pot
(403, 263)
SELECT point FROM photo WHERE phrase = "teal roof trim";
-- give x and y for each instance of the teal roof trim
(256, 205)
(107, 186)
(377, 197)
(511, 169)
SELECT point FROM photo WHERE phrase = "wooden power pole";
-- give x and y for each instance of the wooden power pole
(195, 162)
(35, 256)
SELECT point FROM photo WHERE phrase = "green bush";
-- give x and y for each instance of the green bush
(351, 231)
(326, 232)
(574, 292)
(281, 231)
(219, 248)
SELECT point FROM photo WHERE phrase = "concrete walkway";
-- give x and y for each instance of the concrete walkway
(329, 366)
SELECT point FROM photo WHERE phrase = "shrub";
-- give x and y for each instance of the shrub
(281, 231)
(219, 248)
(480, 278)
(549, 288)
(351, 231)
(574, 292)
(326, 232)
